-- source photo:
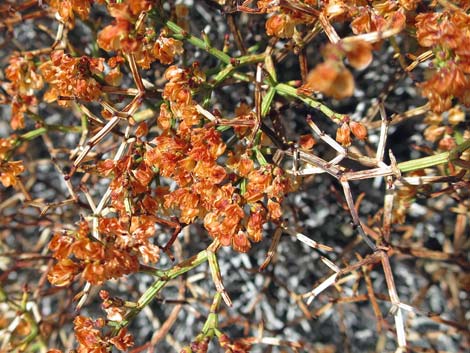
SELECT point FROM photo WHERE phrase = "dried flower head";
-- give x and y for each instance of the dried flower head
(330, 78)
(359, 53)
(280, 25)
(343, 135)
(358, 130)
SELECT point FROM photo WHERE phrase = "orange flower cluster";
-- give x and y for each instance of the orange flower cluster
(280, 25)
(114, 307)
(6, 146)
(442, 130)
(234, 346)
(449, 35)
(91, 335)
(180, 107)
(68, 8)
(114, 76)
(129, 35)
(91, 340)
(190, 156)
(332, 77)
(9, 170)
(130, 179)
(131, 237)
(365, 18)
(23, 74)
(97, 261)
(222, 207)
(380, 16)
(88, 335)
(25, 80)
(71, 78)
(165, 49)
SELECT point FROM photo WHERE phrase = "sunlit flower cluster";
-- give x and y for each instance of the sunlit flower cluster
(448, 35)
(129, 179)
(9, 170)
(95, 260)
(380, 16)
(72, 78)
(67, 9)
(332, 77)
(130, 35)
(24, 81)
(441, 127)
(92, 340)
(190, 156)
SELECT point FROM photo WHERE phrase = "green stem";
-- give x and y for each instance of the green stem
(33, 333)
(238, 62)
(31, 135)
(144, 115)
(164, 278)
(431, 161)
(28, 136)
(28, 317)
(259, 156)
(286, 90)
(181, 34)
(212, 321)
(267, 100)
(197, 42)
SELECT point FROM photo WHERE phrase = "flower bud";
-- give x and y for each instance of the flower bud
(280, 25)
(358, 130)
(343, 135)
(306, 142)
(447, 143)
(359, 54)
(456, 116)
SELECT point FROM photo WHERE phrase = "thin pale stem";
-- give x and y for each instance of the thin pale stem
(383, 133)
(272, 248)
(388, 208)
(92, 142)
(306, 240)
(354, 214)
(217, 277)
(399, 321)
